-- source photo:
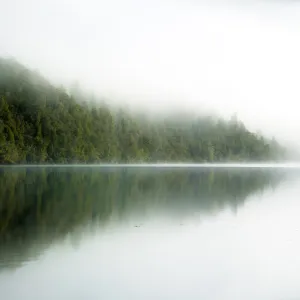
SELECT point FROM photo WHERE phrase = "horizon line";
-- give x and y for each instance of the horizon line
(294, 165)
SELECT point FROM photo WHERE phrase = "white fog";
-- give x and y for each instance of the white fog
(238, 56)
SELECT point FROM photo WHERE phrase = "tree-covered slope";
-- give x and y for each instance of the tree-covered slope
(41, 123)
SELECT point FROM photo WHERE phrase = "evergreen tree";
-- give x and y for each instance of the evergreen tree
(40, 123)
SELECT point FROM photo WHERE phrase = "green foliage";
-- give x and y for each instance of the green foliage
(43, 124)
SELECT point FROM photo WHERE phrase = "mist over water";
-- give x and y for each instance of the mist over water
(238, 165)
(144, 233)
(152, 231)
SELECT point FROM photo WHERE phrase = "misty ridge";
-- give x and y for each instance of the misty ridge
(162, 58)
(41, 123)
(149, 149)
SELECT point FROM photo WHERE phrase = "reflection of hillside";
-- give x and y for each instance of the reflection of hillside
(40, 205)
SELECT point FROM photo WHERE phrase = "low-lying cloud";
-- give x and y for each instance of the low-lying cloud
(167, 55)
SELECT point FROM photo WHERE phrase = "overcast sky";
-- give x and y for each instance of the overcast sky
(242, 56)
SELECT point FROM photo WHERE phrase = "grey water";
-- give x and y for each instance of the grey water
(161, 232)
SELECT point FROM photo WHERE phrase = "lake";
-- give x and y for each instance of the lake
(149, 233)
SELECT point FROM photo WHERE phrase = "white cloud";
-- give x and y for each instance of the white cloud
(236, 57)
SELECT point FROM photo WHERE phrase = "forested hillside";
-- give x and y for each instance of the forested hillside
(40, 123)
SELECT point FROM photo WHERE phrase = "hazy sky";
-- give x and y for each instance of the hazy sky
(242, 56)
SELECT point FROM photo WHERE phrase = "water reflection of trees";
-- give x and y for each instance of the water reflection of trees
(38, 205)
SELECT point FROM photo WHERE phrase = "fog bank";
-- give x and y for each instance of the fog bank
(165, 55)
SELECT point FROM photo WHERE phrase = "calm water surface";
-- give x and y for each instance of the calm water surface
(149, 233)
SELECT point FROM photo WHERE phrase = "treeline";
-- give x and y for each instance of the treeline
(40, 123)
(39, 206)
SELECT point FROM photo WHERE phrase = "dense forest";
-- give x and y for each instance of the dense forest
(40, 123)
(39, 206)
